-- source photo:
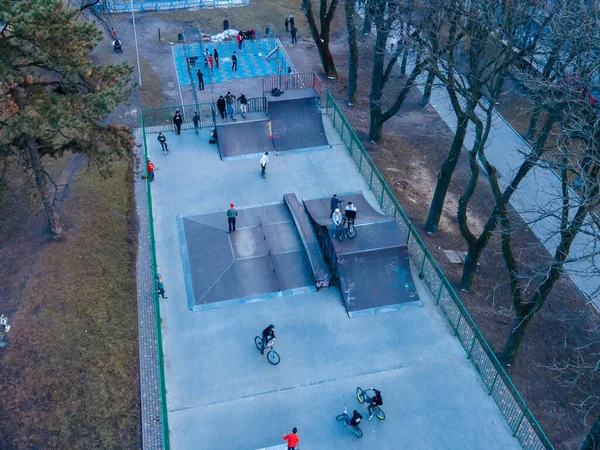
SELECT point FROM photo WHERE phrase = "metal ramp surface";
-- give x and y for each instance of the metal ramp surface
(373, 269)
(244, 138)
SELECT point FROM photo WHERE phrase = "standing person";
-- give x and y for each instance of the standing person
(240, 38)
(211, 63)
(243, 105)
(216, 55)
(392, 42)
(177, 120)
(293, 32)
(150, 167)
(350, 211)
(160, 286)
(196, 120)
(113, 34)
(206, 57)
(200, 80)
(292, 22)
(334, 203)
(234, 62)
(337, 220)
(229, 99)
(287, 24)
(264, 160)
(221, 106)
(231, 215)
(292, 439)
(163, 143)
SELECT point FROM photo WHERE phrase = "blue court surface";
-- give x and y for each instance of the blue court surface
(250, 64)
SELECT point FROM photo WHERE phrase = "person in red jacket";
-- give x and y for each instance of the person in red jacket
(292, 439)
(150, 167)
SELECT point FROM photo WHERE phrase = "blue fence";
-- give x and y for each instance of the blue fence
(165, 5)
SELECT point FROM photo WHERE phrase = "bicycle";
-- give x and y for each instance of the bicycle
(272, 355)
(348, 229)
(362, 397)
(346, 418)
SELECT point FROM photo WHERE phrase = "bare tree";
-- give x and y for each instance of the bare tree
(353, 52)
(321, 34)
(387, 17)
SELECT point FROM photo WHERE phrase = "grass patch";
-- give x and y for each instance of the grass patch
(70, 373)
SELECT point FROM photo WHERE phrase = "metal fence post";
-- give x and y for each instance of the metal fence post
(471, 348)
(493, 383)
(520, 421)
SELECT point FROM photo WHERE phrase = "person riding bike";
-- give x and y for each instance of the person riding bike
(350, 211)
(376, 400)
(268, 336)
(337, 220)
(355, 419)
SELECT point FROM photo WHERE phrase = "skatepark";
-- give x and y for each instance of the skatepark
(372, 322)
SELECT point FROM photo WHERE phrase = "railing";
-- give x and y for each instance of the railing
(291, 81)
(161, 119)
(164, 418)
(521, 421)
(164, 5)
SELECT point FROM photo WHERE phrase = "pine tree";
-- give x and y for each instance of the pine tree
(53, 98)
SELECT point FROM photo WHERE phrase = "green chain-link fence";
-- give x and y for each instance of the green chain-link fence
(521, 421)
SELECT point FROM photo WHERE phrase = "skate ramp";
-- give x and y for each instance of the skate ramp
(264, 258)
(244, 138)
(296, 121)
(373, 269)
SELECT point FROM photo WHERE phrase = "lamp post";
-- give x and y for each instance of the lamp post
(137, 53)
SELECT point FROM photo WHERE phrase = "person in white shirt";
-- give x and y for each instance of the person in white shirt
(264, 160)
(350, 212)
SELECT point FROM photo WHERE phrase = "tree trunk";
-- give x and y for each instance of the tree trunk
(353, 53)
(513, 343)
(592, 440)
(327, 60)
(368, 17)
(533, 122)
(321, 37)
(428, 88)
(404, 62)
(42, 186)
(445, 176)
(377, 83)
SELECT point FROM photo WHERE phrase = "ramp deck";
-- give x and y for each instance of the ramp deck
(373, 269)
(244, 138)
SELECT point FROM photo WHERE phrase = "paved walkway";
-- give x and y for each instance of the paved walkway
(222, 394)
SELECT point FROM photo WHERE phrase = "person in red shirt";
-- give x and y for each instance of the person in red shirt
(292, 439)
(150, 167)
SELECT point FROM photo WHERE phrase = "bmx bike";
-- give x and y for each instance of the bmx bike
(272, 355)
(348, 229)
(362, 397)
(346, 418)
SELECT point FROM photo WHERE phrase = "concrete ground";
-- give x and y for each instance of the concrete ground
(222, 394)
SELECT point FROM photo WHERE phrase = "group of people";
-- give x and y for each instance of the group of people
(336, 215)
(225, 105)
(290, 26)
(211, 61)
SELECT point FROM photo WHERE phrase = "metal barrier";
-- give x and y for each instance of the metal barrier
(166, 441)
(521, 421)
(163, 5)
(160, 119)
(291, 81)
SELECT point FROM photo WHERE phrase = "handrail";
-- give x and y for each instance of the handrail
(521, 421)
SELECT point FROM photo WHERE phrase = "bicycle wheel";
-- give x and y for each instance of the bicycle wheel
(351, 232)
(258, 342)
(360, 394)
(340, 417)
(379, 413)
(357, 431)
(273, 357)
